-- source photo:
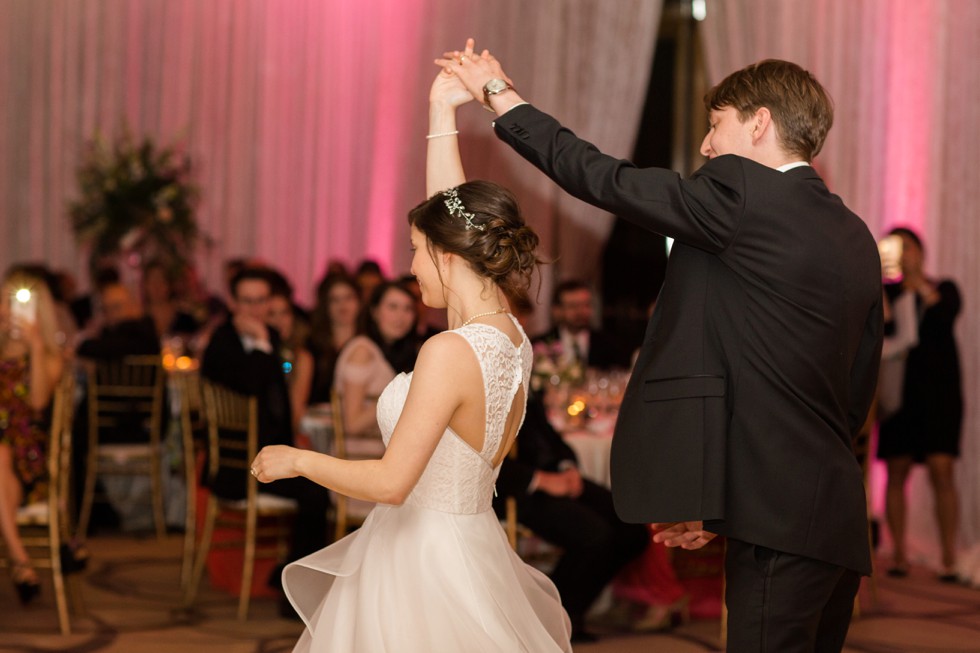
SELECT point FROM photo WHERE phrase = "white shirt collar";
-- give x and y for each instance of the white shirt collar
(790, 166)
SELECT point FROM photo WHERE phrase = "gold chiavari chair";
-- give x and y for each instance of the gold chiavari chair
(347, 514)
(44, 526)
(192, 425)
(232, 421)
(125, 394)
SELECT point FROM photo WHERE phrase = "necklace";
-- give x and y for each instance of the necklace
(499, 310)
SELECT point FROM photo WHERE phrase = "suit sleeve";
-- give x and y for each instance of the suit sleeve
(225, 362)
(864, 371)
(702, 211)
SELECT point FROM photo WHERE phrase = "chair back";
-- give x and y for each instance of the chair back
(232, 433)
(125, 397)
(59, 453)
(125, 415)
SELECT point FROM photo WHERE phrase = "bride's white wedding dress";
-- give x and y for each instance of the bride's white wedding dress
(436, 573)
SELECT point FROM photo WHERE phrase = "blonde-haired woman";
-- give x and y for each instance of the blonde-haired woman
(31, 363)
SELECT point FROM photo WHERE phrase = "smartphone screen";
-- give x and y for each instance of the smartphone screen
(23, 304)
(890, 250)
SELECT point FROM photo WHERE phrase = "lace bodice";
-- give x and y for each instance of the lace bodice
(458, 479)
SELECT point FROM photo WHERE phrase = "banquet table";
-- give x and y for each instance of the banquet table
(592, 445)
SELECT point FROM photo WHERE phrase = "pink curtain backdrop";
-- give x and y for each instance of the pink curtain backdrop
(903, 151)
(305, 120)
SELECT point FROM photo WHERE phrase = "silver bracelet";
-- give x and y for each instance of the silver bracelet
(452, 133)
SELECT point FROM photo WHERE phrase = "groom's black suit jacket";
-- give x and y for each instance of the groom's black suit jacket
(760, 361)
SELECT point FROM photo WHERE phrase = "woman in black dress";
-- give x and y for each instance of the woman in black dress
(926, 428)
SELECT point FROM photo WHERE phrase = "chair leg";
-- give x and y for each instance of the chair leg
(190, 595)
(61, 599)
(190, 532)
(156, 494)
(88, 494)
(340, 501)
(248, 566)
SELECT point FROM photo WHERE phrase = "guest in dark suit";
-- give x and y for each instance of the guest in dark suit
(125, 331)
(566, 510)
(243, 356)
(760, 360)
(571, 315)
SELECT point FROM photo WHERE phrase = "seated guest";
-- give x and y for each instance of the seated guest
(160, 303)
(368, 362)
(83, 307)
(333, 324)
(243, 355)
(121, 327)
(31, 364)
(566, 510)
(571, 314)
(367, 277)
(423, 330)
(296, 358)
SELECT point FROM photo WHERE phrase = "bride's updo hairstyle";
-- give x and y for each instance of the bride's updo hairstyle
(481, 222)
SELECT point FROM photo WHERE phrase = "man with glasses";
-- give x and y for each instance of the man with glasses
(243, 356)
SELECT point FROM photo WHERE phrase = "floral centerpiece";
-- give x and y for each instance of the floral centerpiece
(554, 366)
(135, 197)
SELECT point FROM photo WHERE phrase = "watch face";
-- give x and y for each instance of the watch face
(495, 86)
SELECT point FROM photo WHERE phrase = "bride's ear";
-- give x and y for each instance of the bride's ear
(446, 260)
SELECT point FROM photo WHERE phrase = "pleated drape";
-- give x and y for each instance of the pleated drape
(305, 120)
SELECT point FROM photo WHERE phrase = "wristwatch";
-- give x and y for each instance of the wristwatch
(493, 87)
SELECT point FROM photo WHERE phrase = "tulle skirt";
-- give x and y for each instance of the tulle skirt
(413, 579)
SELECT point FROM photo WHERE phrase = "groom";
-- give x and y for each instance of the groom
(760, 360)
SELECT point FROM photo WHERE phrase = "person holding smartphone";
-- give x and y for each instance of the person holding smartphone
(925, 425)
(31, 364)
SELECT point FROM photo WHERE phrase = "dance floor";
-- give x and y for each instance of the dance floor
(132, 600)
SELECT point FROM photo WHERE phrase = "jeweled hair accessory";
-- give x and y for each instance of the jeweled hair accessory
(457, 210)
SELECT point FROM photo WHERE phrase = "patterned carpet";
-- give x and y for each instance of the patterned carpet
(132, 602)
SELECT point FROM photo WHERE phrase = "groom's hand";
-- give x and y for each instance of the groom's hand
(685, 534)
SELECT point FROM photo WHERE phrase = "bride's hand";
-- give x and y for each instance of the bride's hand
(276, 462)
(448, 90)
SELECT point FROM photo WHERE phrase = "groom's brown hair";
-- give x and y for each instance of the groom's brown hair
(801, 108)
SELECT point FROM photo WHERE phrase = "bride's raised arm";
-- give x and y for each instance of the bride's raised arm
(439, 381)
(443, 166)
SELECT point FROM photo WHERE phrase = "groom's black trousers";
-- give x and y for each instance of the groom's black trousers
(784, 603)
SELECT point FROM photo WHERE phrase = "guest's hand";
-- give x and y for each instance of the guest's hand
(574, 480)
(685, 534)
(567, 483)
(20, 328)
(250, 326)
(276, 462)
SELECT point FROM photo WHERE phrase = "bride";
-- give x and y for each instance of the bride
(430, 570)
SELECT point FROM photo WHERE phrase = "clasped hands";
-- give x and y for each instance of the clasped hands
(472, 70)
(685, 534)
(566, 483)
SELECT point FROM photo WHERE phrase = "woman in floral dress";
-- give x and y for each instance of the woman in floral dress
(31, 364)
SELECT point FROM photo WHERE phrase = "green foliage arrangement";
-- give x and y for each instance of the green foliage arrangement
(135, 197)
